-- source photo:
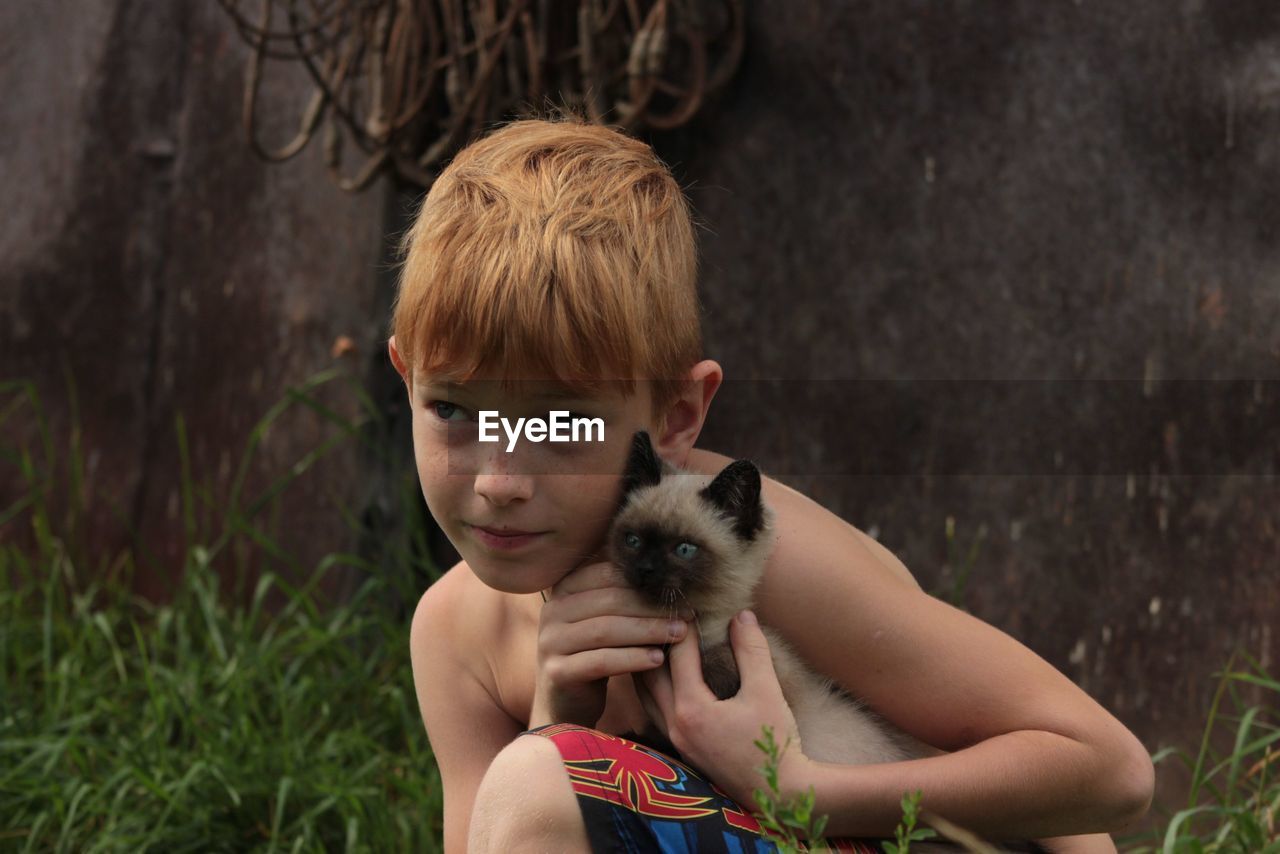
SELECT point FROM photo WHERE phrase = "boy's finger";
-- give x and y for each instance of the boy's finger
(589, 577)
(615, 630)
(751, 652)
(605, 663)
(686, 668)
(607, 602)
(658, 683)
(594, 581)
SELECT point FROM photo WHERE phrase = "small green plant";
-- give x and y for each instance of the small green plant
(1234, 799)
(783, 820)
(789, 823)
(907, 831)
(959, 565)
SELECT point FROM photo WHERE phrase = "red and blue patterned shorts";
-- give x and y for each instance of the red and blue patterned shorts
(638, 800)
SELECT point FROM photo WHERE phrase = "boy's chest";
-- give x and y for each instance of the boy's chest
(513, 673)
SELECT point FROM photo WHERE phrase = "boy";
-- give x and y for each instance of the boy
(553, 267)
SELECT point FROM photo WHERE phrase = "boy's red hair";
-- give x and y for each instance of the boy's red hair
(553, 249)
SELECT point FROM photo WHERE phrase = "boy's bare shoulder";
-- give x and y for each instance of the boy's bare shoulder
(461, 616)
(456, 610)
(800, 519)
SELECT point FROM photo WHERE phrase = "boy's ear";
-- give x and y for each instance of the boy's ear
(398, 361)
(684, 418)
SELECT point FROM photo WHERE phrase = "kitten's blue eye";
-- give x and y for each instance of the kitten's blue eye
(632, 540)
(685, 550)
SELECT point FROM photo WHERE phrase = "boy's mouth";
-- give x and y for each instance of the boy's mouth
(504, 538)
(506, 532)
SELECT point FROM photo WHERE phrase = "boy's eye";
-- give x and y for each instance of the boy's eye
(571, 417)
(685, 550)
(445, 410)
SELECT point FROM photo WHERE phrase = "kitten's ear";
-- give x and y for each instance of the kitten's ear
(736, 491)
(644, 466)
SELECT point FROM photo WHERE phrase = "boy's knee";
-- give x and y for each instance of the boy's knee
(525, 803)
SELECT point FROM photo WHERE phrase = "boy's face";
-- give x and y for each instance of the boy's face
(562, 495)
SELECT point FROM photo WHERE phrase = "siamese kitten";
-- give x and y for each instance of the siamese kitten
(684, 540)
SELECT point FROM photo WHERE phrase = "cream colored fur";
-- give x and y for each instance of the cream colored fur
(833, 726)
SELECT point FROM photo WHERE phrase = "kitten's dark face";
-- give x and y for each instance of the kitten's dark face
(668, 566)
(682, 545)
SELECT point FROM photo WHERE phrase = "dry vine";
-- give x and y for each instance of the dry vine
(409, 82)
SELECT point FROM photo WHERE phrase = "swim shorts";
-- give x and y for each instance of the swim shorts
(636, 800)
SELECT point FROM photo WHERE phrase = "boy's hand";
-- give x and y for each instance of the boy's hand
(593, 626)
(718, 736)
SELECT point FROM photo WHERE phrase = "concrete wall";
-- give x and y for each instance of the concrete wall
(1018, 263)
(148, 255)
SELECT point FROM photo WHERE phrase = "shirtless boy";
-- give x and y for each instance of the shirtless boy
(552, 266)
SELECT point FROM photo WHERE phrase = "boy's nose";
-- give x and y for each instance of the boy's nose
(504, 488)
(496, 481)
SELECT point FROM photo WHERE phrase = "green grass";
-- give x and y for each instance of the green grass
(215, 722)
(953, 586)
(790, 822)
(1233, 804)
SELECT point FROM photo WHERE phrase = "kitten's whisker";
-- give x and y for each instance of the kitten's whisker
(694, 611)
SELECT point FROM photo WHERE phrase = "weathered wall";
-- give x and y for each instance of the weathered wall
(1062, 195)
(146, 250)
(981, 241)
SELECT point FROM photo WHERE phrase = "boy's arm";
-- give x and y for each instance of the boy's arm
(1033, 752)
(466, 727)
(1048, 758)
(776, 492)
